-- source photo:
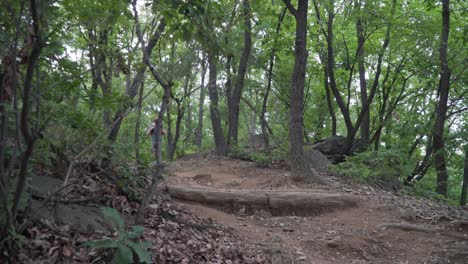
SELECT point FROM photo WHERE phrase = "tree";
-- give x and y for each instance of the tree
(219, 139)
(237, 92)
(300, 170)
(464, 190)
(443, 92)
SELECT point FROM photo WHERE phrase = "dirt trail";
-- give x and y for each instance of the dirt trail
(346, 236)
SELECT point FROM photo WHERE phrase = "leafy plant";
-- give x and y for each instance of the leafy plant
(261, 159)
(382, 168)
(125, 247)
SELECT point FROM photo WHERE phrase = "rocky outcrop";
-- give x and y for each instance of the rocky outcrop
(334, 148)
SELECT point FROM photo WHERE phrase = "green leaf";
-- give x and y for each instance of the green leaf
(105, 243)
(114, 218)
(140, 250)
(123, 255)
(137, 232)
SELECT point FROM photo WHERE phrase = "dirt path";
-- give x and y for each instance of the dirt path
(346, 236)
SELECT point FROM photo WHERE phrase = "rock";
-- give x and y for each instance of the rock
(86, 219)
(334, 243)
(44, 185)
(277, 256)
(334, 148)
(317, 160)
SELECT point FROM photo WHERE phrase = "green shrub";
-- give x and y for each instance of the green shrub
(124, 246)
(239, 152)
(130, 181)
(375, 168)
(261, 159)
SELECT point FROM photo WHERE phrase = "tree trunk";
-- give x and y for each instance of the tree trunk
(444, 86)
(220, 141)
(175, 139)
(362, 73)
(331, 111)
(300, 170)
(331, 70)
(199, 133)
(236, 93)
(169, 136)
(465, 179)
(138, 124)
(263, 122)
(422, 167)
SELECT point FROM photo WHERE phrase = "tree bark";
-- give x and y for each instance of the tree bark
(362, 73)
(199, 133)
(465, 180)
(300, 170)
(236, 93)
(220, 141)
(331, 70)
(263, 121)
(138, 124)
(444, 86)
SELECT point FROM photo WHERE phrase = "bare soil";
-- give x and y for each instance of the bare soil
(349, 235)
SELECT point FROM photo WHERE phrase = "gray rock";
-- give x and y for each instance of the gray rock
(317, 160)
(44, 185)
(334, 148)
(86, 219)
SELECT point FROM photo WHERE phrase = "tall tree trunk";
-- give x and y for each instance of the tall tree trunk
(138, 124)
(175, 139)
(220, 141)
(331, 111)
(465, 179)
(156, 137)
(199, 133)
(375, 84)
(422, 167)
(362, 73)
(300, 170)
(169, 136)
(263, 121)
(331, 70)
(444, 86)
(236, 93)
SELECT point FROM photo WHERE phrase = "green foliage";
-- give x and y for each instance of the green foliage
(375, 168)
(424, 188)
(124, 246)
(130, 181)
(261, 158)
(239, 152)
(12, 240)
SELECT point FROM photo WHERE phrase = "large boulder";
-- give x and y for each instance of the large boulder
(84, 218)
(317, 160)
(334, 148)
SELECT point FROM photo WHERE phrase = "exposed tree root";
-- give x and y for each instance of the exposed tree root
(298, 203)
(421, 228)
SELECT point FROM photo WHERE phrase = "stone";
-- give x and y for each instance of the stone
(317, 160)
(44, 185)
(86, 219)
(334, 148)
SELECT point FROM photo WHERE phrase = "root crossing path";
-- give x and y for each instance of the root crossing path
(305, 223)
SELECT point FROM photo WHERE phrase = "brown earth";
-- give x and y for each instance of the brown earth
(428, 232)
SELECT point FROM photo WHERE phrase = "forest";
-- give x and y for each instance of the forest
(109, 97)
